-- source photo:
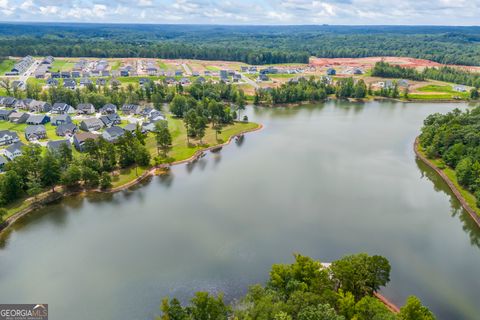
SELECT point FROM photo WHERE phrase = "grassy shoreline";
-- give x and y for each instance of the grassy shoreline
(129, 177)
(466, 199)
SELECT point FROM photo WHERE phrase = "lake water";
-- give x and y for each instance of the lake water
(324, 180)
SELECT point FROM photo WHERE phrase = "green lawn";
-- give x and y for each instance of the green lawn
(6, 65)
(62, 65)
(212, 68)
(116, 65)
(41, 82)
(126, 175)
(438, 92)
(283, 76)
(18, 128)
(162, 65)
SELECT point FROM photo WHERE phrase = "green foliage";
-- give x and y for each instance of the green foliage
(361, 274)
(455, 139)
(105, 180)
(386, 70)
(414, 310)
(303, 290)
(163, 137)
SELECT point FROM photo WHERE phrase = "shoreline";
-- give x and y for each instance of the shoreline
(473, 214)
(51, 196)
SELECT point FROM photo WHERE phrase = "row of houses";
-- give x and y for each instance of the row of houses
(21, 66)
(44, 67)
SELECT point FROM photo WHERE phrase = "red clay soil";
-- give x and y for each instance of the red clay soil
(450, 184)
(370, 61)
(392, 307)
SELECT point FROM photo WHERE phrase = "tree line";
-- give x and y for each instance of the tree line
(305, 290)
(455, 139)
(250, 44)
(311, 90)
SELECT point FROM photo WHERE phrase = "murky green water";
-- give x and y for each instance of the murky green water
(325, 180)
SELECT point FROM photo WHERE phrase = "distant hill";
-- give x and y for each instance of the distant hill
(250, 44)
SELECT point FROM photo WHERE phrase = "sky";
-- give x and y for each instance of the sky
(344, 12)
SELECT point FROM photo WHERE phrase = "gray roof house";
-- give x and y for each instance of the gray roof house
(14, 150)
(80, 138)
(108, 108)
(91, 124)
(131, 127)
(113, 133)
(61, 119)
(35, 119)
(8, 137)
(8, 102)
(4, 114)
(66, 129)
(39, 106)
(111, 119)
(55, 145)
(131, 109)
(3, 162)
(86, 108)
(52, 82)
(61, 108)
(18, 117)
(69, 84)
(35, 132)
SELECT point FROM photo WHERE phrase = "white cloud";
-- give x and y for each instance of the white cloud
(3, 4)
(28, 4)
(145, 3)
(49, 10)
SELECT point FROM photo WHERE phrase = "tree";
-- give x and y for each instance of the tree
(163, 137)
(361, 274)
(414, 310)
(319, 312)
(105, 180)
(71, 176)
(360, 89)
(206, 307)
(90, 177)
(346, 304)
(6, 85)
(3, 214)
(11, 186)
(173, 310)
(370, 308)
(474, 95)
(50, 170)
(178, 106)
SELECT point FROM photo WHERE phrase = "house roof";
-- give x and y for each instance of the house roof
(60, 117)
(17, 146)
(36, 118)
(92, 122)
(5, 112)
(3, 161)
(64, 127)
(115, 131)
(108, 106)
(55, 145)
(131, 127)
(35, 129)
(82, 136)
(9, 133)
(85, 106)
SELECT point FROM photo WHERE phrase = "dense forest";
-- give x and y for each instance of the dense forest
(305, 290)
(455, 138)
(250, 44)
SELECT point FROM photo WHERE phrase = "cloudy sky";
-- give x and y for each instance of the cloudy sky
(409, 12)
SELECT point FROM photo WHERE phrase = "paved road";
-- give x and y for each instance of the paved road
(249, 81)
(187, 69)
(24, 77)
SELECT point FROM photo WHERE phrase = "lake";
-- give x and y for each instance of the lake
(323, 180)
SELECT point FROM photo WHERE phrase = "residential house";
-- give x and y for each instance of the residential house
(80, 138)
(148, 126)
(18, 117)
(105, 73)
(170, 80)
(4, 114)
(61, 119)
(35, 132)
(61, 108)
(91, 124)
(18, 84)
(8, 137)
(55, 145)
(131, 109)
(8, 102)
(48, 60)
(262, 77)
(76, 74)
(85, 82)
(131, 127)
(195, 73)
(65, 75)
(155, 116)
(14, 150)
(113, 133)
(184, 81)
(178, 73)
(85, 108)
(224, 75)
(3, 162)
(124, 73)
(69, 84)
(331, 72)
(101, 82)
(108, 109)
(51, 82)
(38, 119)
(55, 75)
(111, 119)
(38, 106)
(66, 129)
(460, 88)
(200, 80)
(22, 65)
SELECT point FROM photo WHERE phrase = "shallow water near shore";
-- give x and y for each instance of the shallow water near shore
(325, 180)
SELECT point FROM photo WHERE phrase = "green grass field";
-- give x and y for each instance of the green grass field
(162, 65)
(438, 92)
(62, 65)
(116, 65)
(6, 65)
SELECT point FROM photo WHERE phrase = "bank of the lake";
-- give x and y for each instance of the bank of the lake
(326, 180)
(182, 152)
(466, 198)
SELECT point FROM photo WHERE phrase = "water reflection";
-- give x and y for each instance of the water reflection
(469, 226)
